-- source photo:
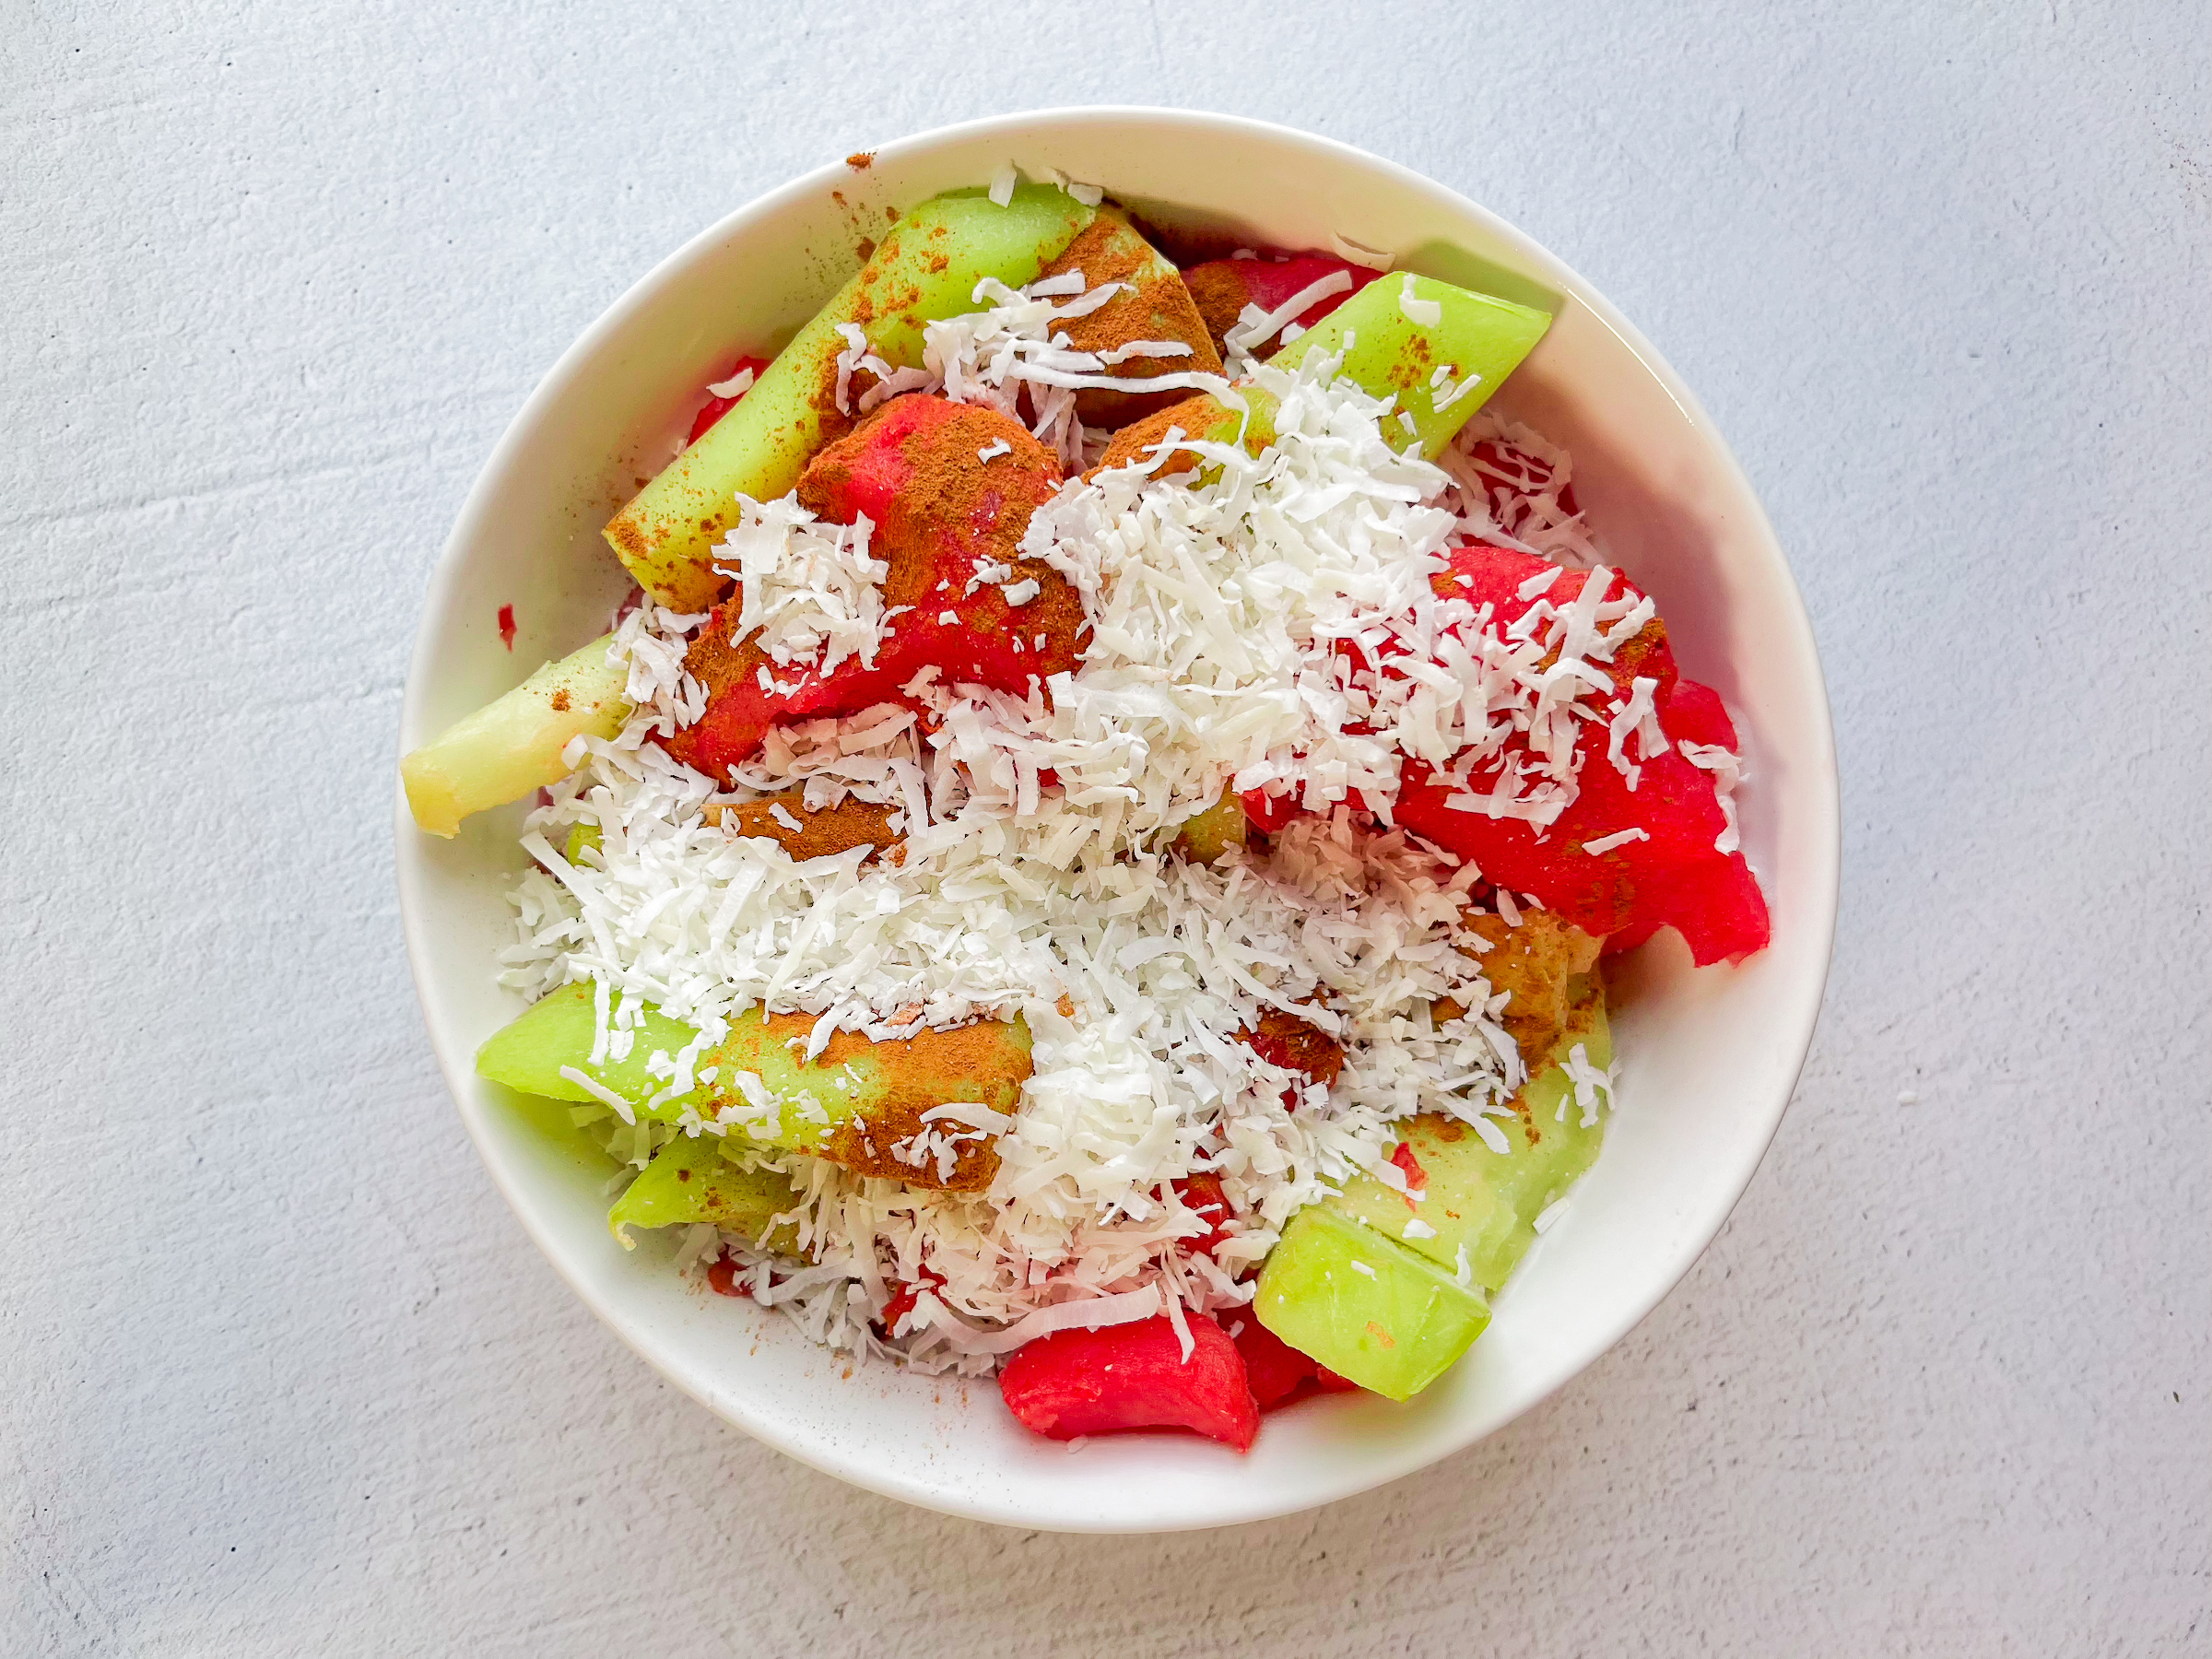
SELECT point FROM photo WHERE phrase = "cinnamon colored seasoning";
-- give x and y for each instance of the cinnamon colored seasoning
(861, 160)
(507, 626)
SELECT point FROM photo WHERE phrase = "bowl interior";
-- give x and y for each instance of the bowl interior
(1708, 1058)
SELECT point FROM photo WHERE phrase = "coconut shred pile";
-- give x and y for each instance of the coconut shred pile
(1237, 628)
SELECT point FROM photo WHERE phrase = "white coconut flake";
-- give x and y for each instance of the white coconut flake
(737, 385)
(1358, 252)
(1420, 312)
(1003, 179)
(1254, 328)
(1727, 769)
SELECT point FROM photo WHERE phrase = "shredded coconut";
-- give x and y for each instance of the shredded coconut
(1272, 625)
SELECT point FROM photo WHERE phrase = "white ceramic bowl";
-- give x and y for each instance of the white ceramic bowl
(1708, 1058)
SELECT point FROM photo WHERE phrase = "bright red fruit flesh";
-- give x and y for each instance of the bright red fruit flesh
(1222, 288)
(1133, 1376)
(943, 518)
(716, 407)
(1676, 878)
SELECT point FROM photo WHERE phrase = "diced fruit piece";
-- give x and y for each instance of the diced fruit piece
(1207, 835)
(1392, 354)
(583, 839)
(509, 748)
(822, 832)
(926, 268)
(1274, 1369)
(1298, 1045)
(1482, 1202)
(1221, 288)
(859, 1104)
(1514, 480)
(943, 517)
(690, 1180)
(1202, 1195)
(1538, 961)
(1364, 1306)
(1268, 812)
(1133, 1376)
(1675, 876)
(1206, 419)
(1152, 305)
(1443, 349)
(717, 406)
(905, 1295)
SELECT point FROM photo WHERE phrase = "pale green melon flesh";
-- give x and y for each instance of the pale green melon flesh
(1368, 1309)
(691, 1181)
(1475, 1199)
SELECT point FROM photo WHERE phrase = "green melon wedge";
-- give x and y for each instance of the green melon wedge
(513, 746)
(1478, 1200)
(855, 1104)
(690, 1180)
(1394, 342)
(1368, 1309)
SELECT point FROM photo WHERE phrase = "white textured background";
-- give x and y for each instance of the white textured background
(277, 1373)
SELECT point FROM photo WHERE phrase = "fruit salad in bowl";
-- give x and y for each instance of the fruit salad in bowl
(1087, 862)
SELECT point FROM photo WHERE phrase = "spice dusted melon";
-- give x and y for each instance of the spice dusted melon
(1470, 1207)
(863, 1102)
(1221, 288)
(691, 1181)
(948, 524)
(1133, 1376)
(1409, 337)
(1151, 306)
(1444, 350)
(926, 268)
(805, 833)
(513, 746)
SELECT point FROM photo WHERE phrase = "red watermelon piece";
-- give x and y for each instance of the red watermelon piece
(716, 407)
(940, 514)
(1677, 877)
(1221, 288)
(1133, 1376)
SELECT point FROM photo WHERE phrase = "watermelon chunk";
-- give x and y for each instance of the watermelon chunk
(1221, 288)
(1276, 1372)
(1133, 1376)
(1677, 876)
(942, 517)
(1202, 1195)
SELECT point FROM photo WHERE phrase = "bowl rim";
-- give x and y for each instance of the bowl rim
(1819, 765)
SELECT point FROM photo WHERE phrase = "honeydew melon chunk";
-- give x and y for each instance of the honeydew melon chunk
(689, 1180)
(583, 839)
(1206, 835)
(925, 270)
(1478, 1200)
(556, 1032)
(513, 746)
(851, 1105)
(1395, 346)
(1365, 1306)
